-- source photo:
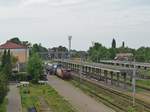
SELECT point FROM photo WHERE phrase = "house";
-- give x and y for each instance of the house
(124, 56)
(19, 51)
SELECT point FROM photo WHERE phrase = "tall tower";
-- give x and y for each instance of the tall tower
(69, 39)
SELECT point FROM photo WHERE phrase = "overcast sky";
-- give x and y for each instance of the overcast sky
(50, 22)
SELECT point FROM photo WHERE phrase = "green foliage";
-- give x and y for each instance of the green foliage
(123, 44)
(3, 86)
(143, 83)
(98, 52)
(18, 41)
(60, 49)
(50, 96)
(20, 76)
(35, 67)
(3, 60)
(36, 48)
(5, 72)
(143, 54)
(6, 65)
(15, 40)
(26, 43)
(78, 54)
(40, 50)
(14, 60)
(125, 50)
(112, 53)
(131, 109)
(9, 64)
(3, 106)
(113, 43)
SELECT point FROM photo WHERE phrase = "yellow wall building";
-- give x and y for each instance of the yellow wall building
(19, 51)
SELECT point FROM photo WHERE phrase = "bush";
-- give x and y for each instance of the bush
(3, 87)
(131, 109)
(21, 76)
(26, 91)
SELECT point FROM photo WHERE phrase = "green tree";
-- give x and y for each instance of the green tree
(35, 48)
(15, 40)
(38, 48)
(113, 43)
(143, 54)
(3, 86)
(98, 52)
(9, 63)
(60, 49)
(123, 44)
(112, 50)
(3, 76)
(18, 41)
(35, 67)
(4, 60)
(112, 53)
(14, 60)
(6, 65)
(26, 43)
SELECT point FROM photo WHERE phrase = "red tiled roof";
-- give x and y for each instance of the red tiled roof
(11, 45)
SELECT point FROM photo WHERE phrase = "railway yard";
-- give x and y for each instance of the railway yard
(85, 87)
(110, 84)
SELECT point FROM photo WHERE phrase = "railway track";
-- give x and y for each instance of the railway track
(113, 98)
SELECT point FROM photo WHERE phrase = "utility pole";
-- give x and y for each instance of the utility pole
(81, 64)
(134, 83)
(69, 47)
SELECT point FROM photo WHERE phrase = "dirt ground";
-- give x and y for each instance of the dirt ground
(81, 101)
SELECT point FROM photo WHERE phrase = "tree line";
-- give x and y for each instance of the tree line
(99, 52)
(95, 53)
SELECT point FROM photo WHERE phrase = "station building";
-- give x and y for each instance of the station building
(19, 51)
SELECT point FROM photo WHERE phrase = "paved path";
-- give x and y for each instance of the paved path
(14, 99)
(81, 101)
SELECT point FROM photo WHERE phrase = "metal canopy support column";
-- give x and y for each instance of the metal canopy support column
(86, 69)
(125, 78)
(100, 74)
(105, 75)
(111, 73)
(90, 71)
(118, 81)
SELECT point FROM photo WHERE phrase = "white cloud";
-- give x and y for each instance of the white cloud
(30, 2)
(51, 2)
(85, 20)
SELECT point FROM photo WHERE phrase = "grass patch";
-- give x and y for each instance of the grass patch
(144, 83)
(3, 106)
(53, 99)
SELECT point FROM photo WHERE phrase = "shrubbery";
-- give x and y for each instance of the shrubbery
(3, 87)
(35, 67)
(5, 73)
(21, 76)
